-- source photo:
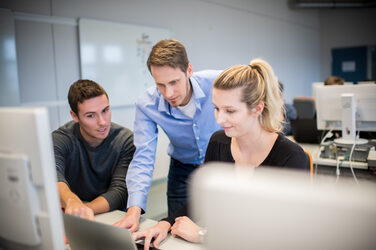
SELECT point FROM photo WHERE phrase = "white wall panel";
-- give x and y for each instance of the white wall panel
(9, 89)
(67, 66)
(36, 61)
(36, 66)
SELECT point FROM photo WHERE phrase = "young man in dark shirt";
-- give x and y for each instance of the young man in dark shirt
(92, 154)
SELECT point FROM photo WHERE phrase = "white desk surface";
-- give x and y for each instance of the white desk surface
(169, 243)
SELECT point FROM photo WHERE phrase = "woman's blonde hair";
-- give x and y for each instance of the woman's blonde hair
(259, 84)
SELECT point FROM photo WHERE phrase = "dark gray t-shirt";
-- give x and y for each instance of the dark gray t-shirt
(91, 172)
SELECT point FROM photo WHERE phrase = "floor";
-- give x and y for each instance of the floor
(157, 200)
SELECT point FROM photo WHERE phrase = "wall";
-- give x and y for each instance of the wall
(217, 34)
(344, 28)
(9, 91)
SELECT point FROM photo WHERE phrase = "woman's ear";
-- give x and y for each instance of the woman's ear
(259, 108)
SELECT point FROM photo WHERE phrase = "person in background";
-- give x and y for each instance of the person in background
(248, 104)
(334, 80)
(181, 105)
(288, 114)
(92, 154)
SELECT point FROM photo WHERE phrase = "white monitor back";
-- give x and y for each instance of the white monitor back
(281, 209)
(30, 213)
(329, 105)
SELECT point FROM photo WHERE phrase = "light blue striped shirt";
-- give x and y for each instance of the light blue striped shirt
(188, 137)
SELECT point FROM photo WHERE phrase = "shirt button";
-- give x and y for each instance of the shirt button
(197, 138)
(194, 125)
(200, 149)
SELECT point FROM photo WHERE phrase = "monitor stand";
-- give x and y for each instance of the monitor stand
(349, 122)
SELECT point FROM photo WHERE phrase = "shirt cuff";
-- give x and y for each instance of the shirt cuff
(138, 200)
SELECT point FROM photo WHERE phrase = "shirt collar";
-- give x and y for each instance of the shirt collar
(197, 92)
(163, 105)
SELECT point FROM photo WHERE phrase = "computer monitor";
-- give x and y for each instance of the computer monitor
(271, 208)
(30, 213)
(348, 108)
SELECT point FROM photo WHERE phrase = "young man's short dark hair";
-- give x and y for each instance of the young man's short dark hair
(83, 90)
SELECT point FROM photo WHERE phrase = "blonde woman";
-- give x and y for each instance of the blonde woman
(248, 104)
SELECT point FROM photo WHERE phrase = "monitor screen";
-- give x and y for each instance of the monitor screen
(30, 213)
(274, 208)
(329, 105)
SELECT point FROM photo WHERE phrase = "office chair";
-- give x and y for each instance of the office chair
(310, 163)
(304, 128)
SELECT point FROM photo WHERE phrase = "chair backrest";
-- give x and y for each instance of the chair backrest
(304, 128)
(310, 161)
(305, 107)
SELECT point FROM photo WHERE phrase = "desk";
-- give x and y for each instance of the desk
(328, 166)
(314, 149)
(169, 243)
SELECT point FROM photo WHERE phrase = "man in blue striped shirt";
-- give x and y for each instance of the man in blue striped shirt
(180, 104)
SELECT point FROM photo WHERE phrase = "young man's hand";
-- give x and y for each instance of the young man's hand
(77, 208)
(131, 219)
(72, 204)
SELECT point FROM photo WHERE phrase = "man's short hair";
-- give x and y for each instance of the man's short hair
(334, 80)
(83, 90)
(168, 53)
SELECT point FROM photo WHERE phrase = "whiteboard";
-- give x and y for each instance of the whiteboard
(115, 54)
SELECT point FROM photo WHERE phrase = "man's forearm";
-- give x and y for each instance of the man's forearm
(72, 203)
(66, 194)
(134, 210)
(99, 205)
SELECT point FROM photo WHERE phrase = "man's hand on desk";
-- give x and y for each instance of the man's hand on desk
(77, 208)
(72, 204)
(186, 229)
(158, 232)
(131, 220)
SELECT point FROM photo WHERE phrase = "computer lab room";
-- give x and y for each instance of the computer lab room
(198, 125)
